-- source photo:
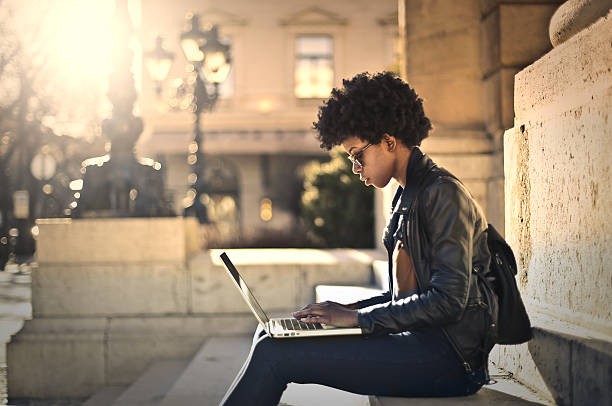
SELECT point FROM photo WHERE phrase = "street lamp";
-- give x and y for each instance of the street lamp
(158, 63)
(210, 58)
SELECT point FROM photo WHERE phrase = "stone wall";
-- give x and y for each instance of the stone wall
(558, 220)
(558, 172)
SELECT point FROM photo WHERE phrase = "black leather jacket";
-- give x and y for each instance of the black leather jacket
(445, 233)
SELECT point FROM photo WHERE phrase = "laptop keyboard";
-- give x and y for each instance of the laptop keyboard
(294, 324)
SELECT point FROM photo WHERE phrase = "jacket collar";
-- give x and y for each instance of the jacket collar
(419, 165)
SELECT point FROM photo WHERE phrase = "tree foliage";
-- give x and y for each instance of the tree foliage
(336, 207)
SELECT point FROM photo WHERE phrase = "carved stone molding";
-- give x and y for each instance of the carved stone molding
(313, 16)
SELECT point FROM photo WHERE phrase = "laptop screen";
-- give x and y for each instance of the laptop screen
(244, 290)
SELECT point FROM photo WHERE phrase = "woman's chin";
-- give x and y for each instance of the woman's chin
(369, 182)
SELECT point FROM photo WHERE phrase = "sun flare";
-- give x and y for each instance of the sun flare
(70, 42)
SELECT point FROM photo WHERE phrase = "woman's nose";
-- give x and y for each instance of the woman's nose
(356, 168)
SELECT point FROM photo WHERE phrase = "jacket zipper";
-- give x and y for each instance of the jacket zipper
(466, 365)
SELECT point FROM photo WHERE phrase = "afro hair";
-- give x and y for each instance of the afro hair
(370, 105)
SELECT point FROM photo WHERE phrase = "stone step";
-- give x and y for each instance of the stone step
(153, 385)
(105, 396)
(210, 372)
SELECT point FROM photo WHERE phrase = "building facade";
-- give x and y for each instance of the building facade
(286, 57)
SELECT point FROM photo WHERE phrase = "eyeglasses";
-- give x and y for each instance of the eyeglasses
(356, 157)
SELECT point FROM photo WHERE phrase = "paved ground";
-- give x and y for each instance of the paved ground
(15, 306)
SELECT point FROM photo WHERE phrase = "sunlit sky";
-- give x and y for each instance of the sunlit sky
(70, 41)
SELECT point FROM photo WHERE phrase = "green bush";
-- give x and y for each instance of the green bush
(337, 208)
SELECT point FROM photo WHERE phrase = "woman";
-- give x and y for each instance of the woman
(430, 334)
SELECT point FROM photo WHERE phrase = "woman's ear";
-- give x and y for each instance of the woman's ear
(390, 141)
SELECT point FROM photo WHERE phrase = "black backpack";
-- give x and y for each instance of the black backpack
(513, 325)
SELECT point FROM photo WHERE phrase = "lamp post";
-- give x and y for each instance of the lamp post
(119, 184)
(210, 59)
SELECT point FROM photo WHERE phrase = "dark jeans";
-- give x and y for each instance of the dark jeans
(407, 365)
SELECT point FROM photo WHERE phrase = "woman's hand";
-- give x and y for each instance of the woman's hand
(331, 313)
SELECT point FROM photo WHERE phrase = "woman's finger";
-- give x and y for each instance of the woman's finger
(315, 319)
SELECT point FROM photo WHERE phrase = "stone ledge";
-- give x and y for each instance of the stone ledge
(105, 240)
(100, 290)
(294, 256)
(296, 271)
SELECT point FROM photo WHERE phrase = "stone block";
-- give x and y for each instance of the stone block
(56, 358)
(499, 100)
(448, 141)
(442, 60)
(562, 195)
(109, 289)
(351, 267)
(468, 166)
(490, 43)
(211, 288)
(524, 32)
(281, 280)
(451, 100)
(591, 372)
(168, 239)
(514, 34)
(274, 286)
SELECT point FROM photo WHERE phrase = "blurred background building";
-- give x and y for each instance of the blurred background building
(235, 157)
(254, 131)
(285, 58)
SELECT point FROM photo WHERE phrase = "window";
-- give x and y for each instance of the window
(314, 66)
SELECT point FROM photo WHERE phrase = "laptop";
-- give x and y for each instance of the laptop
(288, 327)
